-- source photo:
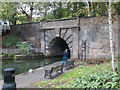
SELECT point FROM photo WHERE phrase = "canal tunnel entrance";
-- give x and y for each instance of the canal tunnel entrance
(57, 47)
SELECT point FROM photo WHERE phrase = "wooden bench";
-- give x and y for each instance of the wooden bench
(70, 63)
(53, 69)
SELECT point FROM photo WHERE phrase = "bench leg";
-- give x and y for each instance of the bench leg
(47, 73)
(73, 64)
(61, 70)
(70, 65)
(44, 76)
(51, 76)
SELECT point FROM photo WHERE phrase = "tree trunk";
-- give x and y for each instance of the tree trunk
(90, 12)
(111, 38)
(31, 13)
(105, 8)
(79, 37)
(94, 6)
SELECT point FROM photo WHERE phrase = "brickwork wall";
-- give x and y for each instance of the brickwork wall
(94, 29)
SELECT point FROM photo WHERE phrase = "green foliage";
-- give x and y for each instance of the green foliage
(82, 12)
(79, 9)
(8, 55)
(94, 76)
(5, 54)
(106, 79)
(67, 11)
(15, 58)
(49, 17)
(9, 11)
(17, 12)
(101, 9)
(117, 7)
(21, 19)
(10, 40)
(24, 47)
(72, 10)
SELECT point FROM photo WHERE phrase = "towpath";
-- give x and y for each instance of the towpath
(25, 80)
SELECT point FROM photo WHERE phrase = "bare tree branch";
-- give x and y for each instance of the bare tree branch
(23, 11)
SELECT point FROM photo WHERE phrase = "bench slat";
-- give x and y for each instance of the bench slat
(57, 67)
(53, 69)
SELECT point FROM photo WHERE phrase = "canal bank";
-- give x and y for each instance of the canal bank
(25, 80)
(17, 56)
(24, 65)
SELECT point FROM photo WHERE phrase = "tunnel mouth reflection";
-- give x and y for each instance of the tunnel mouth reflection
(57, 47)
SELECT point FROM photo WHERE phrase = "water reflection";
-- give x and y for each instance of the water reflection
(22, 66)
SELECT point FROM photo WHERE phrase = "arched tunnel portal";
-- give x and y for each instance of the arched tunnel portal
(57, 47)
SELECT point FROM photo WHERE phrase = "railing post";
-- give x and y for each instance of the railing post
(9, 79)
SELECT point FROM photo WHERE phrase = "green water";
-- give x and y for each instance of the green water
(22, 66)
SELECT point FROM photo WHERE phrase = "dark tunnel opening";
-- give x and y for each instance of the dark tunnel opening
(57, 47)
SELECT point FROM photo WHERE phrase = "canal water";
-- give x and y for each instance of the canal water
(22, 66)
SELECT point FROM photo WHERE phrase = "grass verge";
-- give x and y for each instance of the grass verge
(73, 74)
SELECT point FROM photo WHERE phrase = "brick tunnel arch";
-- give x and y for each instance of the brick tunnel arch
(64, 35)
(57, 47)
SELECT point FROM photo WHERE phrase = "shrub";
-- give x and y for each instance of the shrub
(8, 55)
(10, 40)
(97, 80)
(24, 47)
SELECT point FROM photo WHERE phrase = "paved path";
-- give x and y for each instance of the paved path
(24, 80)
